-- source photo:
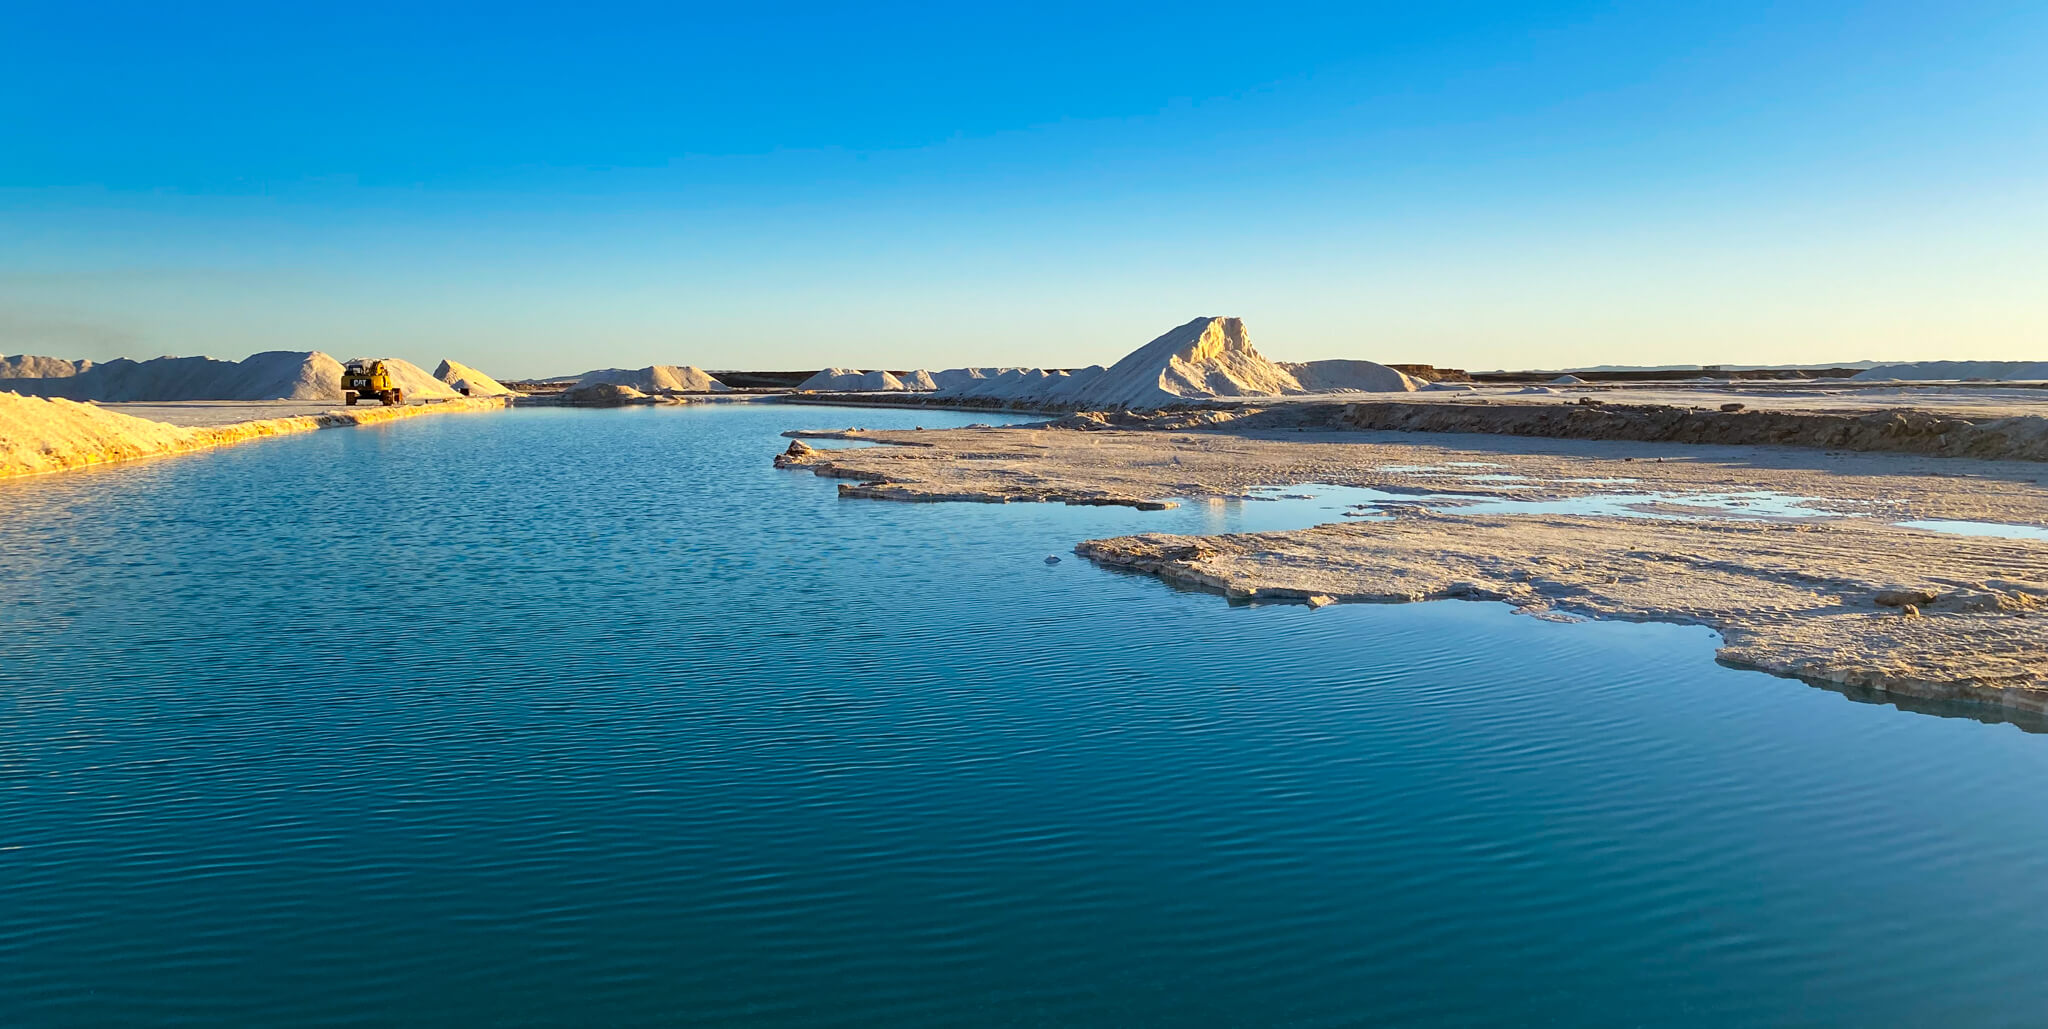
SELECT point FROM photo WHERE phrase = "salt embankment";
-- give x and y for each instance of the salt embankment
(1931, 371)
(2018, 437)
(39, 434)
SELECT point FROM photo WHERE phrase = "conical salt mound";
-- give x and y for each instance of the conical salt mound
(468, 380)
(1207, 357)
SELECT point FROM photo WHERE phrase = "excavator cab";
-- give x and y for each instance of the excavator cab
(367, 379)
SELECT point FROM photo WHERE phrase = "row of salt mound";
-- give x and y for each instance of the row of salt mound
(274, 375)
(1203, 359)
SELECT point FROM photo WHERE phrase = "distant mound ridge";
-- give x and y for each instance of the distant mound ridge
(464, 379)
(1205, 359)
(29, 366)
(2006, 371)
(655, 378)
(274, 375)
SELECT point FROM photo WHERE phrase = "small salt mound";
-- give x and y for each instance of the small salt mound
(657, 378)
(851, 380)
(460, 376)
(1347, 376)
(1449, 387)
(409, 377)
(1536, 390)
(1567, 380)
(920, 380)
(2006, 371)
(603, 394)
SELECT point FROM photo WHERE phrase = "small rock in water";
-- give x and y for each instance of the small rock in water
(1731, 408)
(1321, 601)
(1052, 559)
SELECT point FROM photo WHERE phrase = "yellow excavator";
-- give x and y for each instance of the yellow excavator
(369, 379)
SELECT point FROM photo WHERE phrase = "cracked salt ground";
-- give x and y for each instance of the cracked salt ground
(1301, 505)
(1296, 508)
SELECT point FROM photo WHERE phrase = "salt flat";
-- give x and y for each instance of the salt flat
(1839, 592)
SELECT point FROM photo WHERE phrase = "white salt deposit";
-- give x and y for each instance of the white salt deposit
(274, 375)
(407, 376)
(658, 378)
(851, 380)
(2008, 371)
(29, 366)
(1207, 357)
(1351, 376)
(1567, 380)
(1450, 387)
(919, 380)
(462, 377)
(1204, 359)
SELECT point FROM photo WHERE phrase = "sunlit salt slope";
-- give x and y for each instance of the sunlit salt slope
(1206, 358)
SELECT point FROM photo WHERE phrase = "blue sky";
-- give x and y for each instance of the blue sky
(539, 190)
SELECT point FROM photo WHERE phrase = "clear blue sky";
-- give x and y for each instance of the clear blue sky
(539, 190)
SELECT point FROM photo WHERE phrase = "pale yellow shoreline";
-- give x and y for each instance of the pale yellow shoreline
(40, 436)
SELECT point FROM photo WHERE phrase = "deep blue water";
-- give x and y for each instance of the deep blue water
(565, 716)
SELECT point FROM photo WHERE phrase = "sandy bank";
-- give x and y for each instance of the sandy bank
(47, 435)
(1796, 597)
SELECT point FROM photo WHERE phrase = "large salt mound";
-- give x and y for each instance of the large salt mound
(275, 375)
(1345, 376)
(851, 380)
(656, 378)
(919, 380)
(2022, 371)
(460, 376)
(409, 377)
(1207, 357)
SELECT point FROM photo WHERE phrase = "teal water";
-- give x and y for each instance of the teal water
(585, 717)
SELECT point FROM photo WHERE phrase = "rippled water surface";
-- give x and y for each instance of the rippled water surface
(593, 716)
